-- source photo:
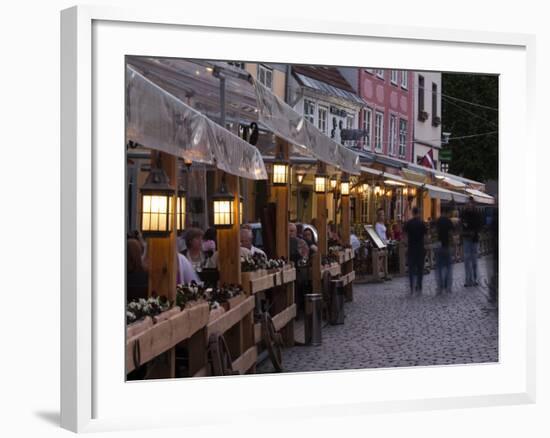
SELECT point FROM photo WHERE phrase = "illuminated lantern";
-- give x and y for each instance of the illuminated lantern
(320, 183)
(223, 207)
(344, 186)
(300, 177)
(333, 183)
(280, 173)
(156, 204)
(181, 211)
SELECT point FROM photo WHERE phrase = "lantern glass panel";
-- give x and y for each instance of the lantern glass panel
(223, 212)
(280, 172)
(344, 188)
(156, 216)
(181, 211)
(320, 184)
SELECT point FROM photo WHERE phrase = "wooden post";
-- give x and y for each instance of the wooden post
(322, 216)
(347, 267)
(162, 256)
(283, 295)
(229, 240)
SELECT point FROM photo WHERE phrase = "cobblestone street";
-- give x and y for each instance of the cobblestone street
(385, 327)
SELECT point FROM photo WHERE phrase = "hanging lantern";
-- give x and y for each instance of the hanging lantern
(181, 204)
(344, 186)
(300, 177)
(223, 207)
(389, 193)
(412, 191)
(406, 191)
(365, 188)
(377, 190)
(187, 163)
(333, 183)
(241, 210)
(156, 204)
(320, 183)
(280, 172)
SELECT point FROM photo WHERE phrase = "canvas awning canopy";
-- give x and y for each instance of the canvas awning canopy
(246, 101)
(444, 194)
(481, 197)
(292, 126)
(160, 120)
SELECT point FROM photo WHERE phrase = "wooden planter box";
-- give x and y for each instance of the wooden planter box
(232, 317)
(233, 302)
(288, 274)
(215, 314)
(137, 327)
(334, 269)
(172, 328)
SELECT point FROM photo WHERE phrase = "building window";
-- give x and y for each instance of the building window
(404, 79)
(378, 129)
(422, 115)
(392, 134)
(370, 70)
(402, 138)
(379, 73)
(367, 127)
(265, 76)
(436, 120)
(349, 122)
(309, 110)
(322, 116)
(237, 64)
(445, 167)
(394, 77)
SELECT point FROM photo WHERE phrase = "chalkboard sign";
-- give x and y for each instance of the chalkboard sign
(374, 237)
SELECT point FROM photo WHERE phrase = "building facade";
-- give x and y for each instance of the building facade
(427, 119)
(387, 116)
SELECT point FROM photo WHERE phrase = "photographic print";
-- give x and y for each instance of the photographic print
(285, 218)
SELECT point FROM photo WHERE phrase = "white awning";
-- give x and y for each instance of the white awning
(481, 197)
(444, 194)
(453, 182)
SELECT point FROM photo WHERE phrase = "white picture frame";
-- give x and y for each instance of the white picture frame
(93, 397)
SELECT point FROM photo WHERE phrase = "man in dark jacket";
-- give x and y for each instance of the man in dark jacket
(415, 230)
(471, 226)
(444, 228)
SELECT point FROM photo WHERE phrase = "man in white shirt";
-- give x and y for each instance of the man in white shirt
(380, 227)
(246, 241)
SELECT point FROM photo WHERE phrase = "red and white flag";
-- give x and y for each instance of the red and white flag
(428, 160)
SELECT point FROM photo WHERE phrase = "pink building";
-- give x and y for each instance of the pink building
(388, 118)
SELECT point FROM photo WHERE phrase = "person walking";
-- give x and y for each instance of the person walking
(415, 230)
(471, 226)
(443, 264)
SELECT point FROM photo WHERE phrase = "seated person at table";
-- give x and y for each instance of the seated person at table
(333, 236)
(293, 243)
(186, 273)
(209, 242)
(310, 240)
(137, 278)
(193, 251)
(246, 241)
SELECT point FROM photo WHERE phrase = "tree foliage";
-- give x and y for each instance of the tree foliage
(476, 157)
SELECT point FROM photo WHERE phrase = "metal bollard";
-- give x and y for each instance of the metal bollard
(313, 320)
(337, 293)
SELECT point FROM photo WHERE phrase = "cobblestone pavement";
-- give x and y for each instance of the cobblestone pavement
(385, 327)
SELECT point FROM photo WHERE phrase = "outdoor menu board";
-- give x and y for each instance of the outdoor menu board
(371, 232)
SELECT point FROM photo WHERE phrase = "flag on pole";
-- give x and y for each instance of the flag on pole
(428, 160)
